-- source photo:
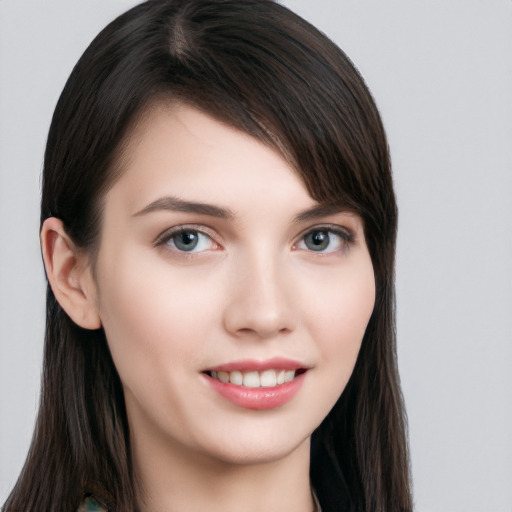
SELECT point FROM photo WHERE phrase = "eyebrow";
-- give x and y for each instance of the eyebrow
(176, 204)
(179, 205)
(319, 211)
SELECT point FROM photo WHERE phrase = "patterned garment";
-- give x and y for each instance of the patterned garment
(91, 505)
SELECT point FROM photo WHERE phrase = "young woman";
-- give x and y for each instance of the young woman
(218, 229)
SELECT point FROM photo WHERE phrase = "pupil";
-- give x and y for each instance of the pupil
(318, 240)
(186, 241)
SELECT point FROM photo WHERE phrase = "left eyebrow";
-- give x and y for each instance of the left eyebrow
(179, 205)
(319, 211)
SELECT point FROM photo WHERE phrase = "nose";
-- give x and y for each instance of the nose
(260, 302)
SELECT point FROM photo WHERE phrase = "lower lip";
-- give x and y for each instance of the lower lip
(258, 398)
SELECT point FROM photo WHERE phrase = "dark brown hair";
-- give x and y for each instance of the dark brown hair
(260, 68)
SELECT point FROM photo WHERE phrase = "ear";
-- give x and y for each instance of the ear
(69, 274)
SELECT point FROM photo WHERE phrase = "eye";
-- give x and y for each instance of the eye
(325, 240)
(187, 240)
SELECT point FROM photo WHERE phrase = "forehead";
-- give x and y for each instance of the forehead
(180, 151)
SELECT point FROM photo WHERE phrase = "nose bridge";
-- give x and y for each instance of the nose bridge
(260, 296)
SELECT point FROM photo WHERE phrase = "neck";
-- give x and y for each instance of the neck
(174, 479)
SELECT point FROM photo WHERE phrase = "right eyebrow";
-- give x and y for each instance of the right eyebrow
(319, 211)
(176, 204)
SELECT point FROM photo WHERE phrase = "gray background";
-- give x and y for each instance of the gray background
(441, 73)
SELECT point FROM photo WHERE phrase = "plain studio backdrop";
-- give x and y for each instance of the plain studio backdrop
(441, 73)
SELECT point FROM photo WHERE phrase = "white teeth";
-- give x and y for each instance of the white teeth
(223, 376)
(254, 379)
(268, 379)
(236, 378)
(289, 375)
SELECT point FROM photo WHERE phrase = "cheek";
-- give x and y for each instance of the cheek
(344, 303)
(337, 320)
(150, 318)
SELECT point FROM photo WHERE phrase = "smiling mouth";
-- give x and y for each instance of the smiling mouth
(256, 379)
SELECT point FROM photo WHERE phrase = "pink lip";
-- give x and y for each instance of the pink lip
(258, 398)
(276, 363)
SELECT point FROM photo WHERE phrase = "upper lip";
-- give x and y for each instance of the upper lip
(276, 363)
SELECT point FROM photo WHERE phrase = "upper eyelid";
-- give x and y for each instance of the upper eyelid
(336, 228)
(169, 232)
(347, 236)
(344, 231)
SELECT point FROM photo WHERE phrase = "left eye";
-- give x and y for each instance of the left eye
(324, 240)
(189, 240)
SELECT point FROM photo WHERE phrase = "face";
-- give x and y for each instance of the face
(233, 304)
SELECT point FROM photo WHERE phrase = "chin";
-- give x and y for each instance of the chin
(256, 447)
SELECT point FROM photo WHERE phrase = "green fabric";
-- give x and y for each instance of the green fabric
(91, 505)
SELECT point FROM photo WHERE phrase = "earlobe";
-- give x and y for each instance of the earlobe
(69, 274)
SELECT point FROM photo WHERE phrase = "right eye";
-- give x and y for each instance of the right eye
(187, 240)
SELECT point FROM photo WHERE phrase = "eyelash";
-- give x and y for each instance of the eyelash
(171, 233)
(346, 239)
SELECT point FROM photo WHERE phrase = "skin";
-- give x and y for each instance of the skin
(252, 289)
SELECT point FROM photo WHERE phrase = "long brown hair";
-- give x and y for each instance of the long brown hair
(260, 68)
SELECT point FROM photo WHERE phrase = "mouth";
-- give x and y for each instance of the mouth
(258, 385)
(256, 379)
